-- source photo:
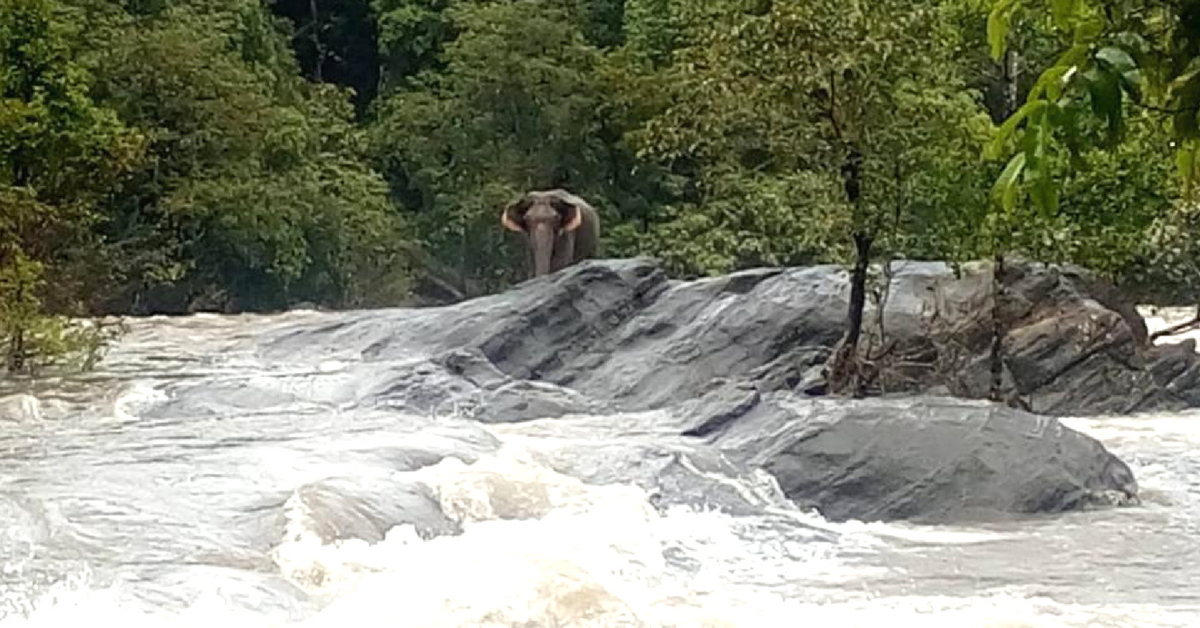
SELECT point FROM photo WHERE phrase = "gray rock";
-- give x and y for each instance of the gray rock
(619, 331)
(522, 400)
(923, 459)
(721, 374)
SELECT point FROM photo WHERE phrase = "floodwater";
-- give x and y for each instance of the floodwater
(197, 480)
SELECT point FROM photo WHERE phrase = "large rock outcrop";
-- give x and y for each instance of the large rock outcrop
(929, 459)
(622, 332)
(729, 365)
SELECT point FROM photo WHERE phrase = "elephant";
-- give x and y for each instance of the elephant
(561, 229)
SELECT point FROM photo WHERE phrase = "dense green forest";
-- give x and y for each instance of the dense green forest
(246, 155)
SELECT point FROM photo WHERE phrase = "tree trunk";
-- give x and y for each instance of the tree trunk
(16, 351)
(318, 47)
(843, 374)
(996, 353)
(15, 361)
(996, 356)
(858, 289)
(1012, 75)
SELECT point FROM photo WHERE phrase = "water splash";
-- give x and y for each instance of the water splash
(195, 514)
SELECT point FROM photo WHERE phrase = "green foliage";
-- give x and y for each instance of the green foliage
(1168, 269)
(1115, 57)
(603, 22)
(652, 31)
(32, 341)
(411, 36)
(1088, 177)
(1110, 201)
(255, 192)
(747, 220)
(335, 41)
(59, 154)
(812, 88)
(174, 155)
(170, 156)
(715, 136)
(519, 104)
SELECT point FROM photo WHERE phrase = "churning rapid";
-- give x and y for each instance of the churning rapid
(210, 474)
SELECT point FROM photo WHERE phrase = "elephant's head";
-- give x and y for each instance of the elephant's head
(543, 217)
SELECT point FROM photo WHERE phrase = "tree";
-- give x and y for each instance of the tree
(514, 103)
(412, 37)
(335, 41)
(256, 192)
(1114, 54)
(1122, 91)
(59, 153)
(864, 97)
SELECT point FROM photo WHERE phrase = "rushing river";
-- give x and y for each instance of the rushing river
(269, 499)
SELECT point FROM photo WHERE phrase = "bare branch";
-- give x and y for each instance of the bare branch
(1186, 326)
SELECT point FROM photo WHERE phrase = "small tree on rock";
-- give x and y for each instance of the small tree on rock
(864, 95)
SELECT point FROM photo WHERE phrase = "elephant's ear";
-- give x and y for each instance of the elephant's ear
(572, 215)
(570, 208)
(513, 217)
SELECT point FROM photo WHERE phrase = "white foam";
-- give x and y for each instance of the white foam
(1158, 427)
(939, 535)
(570, 601)
(988, 611)
(136, 399)
(542, 549)
(332, 366)
(20, 408)
(539, 548)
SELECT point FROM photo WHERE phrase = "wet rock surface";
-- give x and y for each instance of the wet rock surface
(923, 458)
(737, 360)
(622, 332)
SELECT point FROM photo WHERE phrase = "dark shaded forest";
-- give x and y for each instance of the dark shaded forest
(168, 156)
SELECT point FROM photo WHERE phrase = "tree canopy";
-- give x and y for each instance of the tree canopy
(247, 155)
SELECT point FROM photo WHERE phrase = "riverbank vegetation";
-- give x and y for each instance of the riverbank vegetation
(167, 156)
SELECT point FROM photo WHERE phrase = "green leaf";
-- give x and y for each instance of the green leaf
(1063, 11)
(1123, 65)
(1133, 43)
(997, 32)
(1005, 189)
(1042, 189)
(995, 148)
(1044, 193)
(1073, 56)
(1066, 119)
(1116, 59)
(1043, 136)
(1088, 30)
(1053, 80)
(1132, 83)
(1105, 91)
(998, 25)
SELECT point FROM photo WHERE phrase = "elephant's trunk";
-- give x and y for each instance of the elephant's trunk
(542, 240)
